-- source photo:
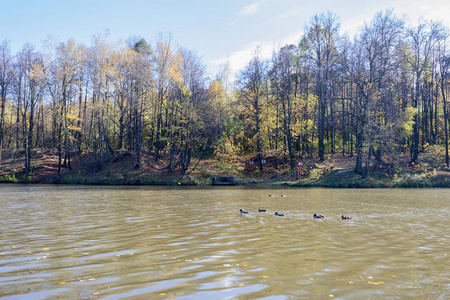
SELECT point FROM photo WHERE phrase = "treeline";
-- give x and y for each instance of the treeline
(375, 96)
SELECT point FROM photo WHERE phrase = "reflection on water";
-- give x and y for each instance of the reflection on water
(155, 243)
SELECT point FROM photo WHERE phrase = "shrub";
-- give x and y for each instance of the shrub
(9, 178)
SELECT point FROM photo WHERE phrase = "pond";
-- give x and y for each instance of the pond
(78, 242)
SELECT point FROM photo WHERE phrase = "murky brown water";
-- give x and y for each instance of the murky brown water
(66, 242)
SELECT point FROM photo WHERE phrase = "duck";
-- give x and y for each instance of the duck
(316, 216)
(243, 211)
(346, 217)
(278, 215)
(270, 195)
(283, 195)
(262, 210)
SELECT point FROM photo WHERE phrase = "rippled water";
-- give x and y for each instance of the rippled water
(67, 242)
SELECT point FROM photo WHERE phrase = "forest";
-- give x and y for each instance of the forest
(374, 96)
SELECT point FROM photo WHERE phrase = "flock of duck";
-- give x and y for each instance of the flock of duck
(277, 214)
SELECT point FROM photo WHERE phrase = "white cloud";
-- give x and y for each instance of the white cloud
(249, 9)
(436, 10)
(412, 10)
(290, 13)
(240, 58)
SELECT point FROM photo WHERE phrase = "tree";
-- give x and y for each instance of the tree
(218, 114)
(6, 77)
(251, 92)
(444, 72)
(282, 77)
(59, 70)
(321, 39)
(141, 83)
(28, 88)
(143, 47)
(422, 40)
(162, 57)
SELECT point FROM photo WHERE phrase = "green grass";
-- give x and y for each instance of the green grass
(9, 178)
(422, 180)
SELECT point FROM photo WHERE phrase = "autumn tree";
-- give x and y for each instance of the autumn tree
(251, 92)
(422, 41)
(59, 70)
(162, 58)
(282, 85)
(217, 115)
(444, 78)
(141, 83)
(321, 38)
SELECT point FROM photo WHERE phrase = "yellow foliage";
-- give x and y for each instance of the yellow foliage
(408, 123)
(74, 128)
(73, 117)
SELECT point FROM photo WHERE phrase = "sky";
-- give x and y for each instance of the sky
(218, 31)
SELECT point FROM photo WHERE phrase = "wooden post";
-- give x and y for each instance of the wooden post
(300, 164)
(263, 162)
(251, 165)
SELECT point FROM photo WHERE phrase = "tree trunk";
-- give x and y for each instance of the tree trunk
(105, 136)
(359, 151)
(29, 141)
(322, 108)
(444, 99)
(416, 137)
(367, 165)
(2, 118)
(59, 149)
(138, 139)
(287, 127)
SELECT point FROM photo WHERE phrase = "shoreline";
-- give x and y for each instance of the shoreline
(335, 172)
(323, 183)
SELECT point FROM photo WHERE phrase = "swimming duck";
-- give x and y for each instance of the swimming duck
(279, 215)
(262, 210)
(345, 217)
(243, 211)
(318, 216)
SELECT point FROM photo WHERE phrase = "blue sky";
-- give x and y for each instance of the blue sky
(217, 30)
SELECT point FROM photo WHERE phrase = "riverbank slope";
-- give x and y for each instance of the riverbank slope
(120, 169)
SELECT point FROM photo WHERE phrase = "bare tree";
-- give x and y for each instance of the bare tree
(422, 40)
(6, 76)
(162, 57)
(322, 37)
(444, 72)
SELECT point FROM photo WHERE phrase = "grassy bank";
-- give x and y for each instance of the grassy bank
(335, 172)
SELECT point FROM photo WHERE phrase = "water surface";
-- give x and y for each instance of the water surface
(71, 242)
